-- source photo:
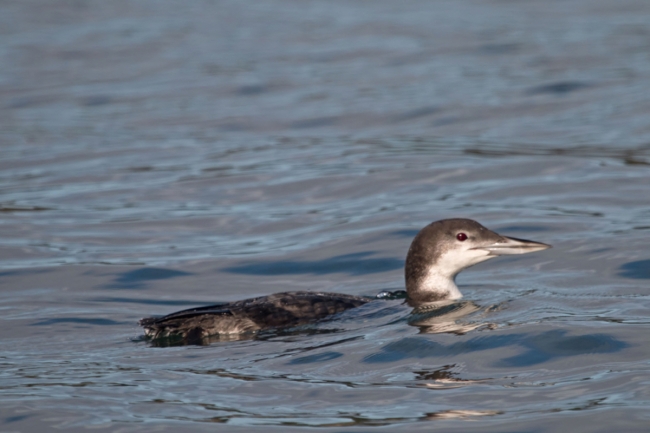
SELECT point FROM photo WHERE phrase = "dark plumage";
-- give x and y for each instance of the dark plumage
(273, 311)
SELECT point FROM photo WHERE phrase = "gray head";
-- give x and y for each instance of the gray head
(444, 248)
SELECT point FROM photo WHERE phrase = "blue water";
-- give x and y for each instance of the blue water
(157, 156)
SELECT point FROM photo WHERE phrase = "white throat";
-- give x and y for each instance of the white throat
(434, 282)
(440, 278)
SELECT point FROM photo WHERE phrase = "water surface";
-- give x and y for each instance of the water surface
(156, 157)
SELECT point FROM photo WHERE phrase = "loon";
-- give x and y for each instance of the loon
(437, 254)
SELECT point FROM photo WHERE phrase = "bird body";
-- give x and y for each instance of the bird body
(249, 315)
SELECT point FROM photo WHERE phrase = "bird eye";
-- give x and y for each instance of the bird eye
(461, 237)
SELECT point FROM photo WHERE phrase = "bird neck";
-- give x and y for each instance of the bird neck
(431, 285)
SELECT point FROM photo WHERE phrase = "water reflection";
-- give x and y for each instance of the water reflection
(195, 340)
(443, 378)
(78, 320)
(443, 318)
(263, 335)
(137, 278)
(638, 270)
(538, 348)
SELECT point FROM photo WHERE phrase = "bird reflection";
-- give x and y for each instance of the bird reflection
(444, 317)
(443, 378)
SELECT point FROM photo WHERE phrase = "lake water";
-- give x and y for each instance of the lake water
(156, 156)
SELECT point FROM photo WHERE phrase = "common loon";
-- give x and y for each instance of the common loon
(437, 254)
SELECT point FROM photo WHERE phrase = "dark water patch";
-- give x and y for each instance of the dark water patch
(319, 357)
(102, 263)
(639, 269)
(308, 330)
(407, 233)
(32, 101)
(96, 101)
(137, 278)
(221, 168)
(576, 212)
(539, 348)
(13, 208)
(235, 127)
(140, 168)
(417, 113)
(411, 347)
(414, 347)
(22, 102)
(498, 49)
(251, 90)
(601, 250)
(352, 264)
(433, 145)
(81, 320)
(449, 120)
(631, 160)
(559, 88)
(554, 344)
(15, 418)
(24, 272)
(512, 149)
(316, 122)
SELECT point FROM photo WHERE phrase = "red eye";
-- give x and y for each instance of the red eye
(461, 237)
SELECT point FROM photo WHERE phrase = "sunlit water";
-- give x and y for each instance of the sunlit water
(156, 158)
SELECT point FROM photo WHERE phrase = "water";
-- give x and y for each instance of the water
(155, 157)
